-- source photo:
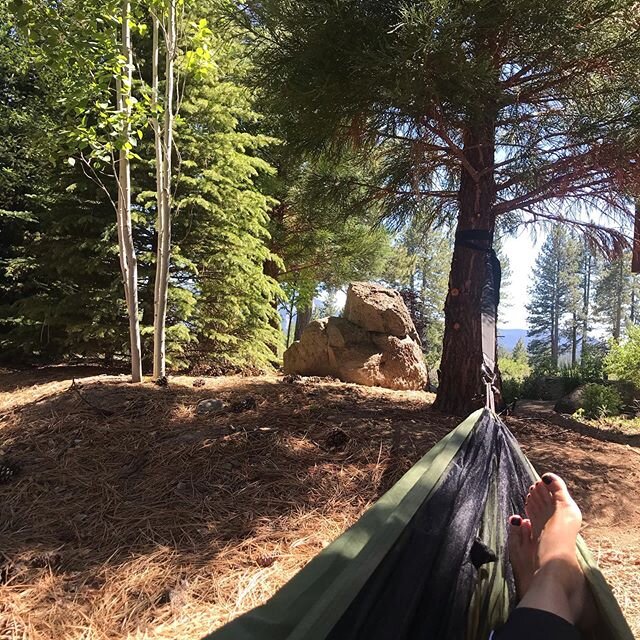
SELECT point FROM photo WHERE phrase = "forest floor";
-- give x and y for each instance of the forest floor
(132, 516)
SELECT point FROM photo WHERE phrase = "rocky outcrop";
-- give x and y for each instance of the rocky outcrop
(379, 309)
(375, 344)
(571, 402)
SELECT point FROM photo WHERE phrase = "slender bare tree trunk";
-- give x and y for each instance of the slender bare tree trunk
(586, 299)
(164, 146)
(128, 263)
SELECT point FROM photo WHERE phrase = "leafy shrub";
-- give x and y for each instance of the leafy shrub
(623, 360)
(512, 369)
(592, 361)
(600, 401)
(571, 378)
(511, 389)
(534, 388)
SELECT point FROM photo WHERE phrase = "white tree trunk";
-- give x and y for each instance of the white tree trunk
(164, 145)
(128, 263)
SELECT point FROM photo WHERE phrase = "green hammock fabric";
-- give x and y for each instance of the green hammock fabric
(427, 560)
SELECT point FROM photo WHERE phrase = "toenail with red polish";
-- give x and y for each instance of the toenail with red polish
(547, 479)
(516, 521)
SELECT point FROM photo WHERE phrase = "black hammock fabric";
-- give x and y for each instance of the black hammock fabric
(428, 560)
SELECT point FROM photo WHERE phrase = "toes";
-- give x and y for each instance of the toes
(515, 534)
(526, 533)
(556, 486)
(515, 521)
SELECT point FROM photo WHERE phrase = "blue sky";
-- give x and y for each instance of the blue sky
(521, 252)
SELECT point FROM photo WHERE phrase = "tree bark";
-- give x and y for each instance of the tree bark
(617, 312)
(303, 317)
(164, 147)
(586, 299)
(461, 388)
(128, 263)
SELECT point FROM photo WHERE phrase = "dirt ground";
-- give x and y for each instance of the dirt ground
(132, 516)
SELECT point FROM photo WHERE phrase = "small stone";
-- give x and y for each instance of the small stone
(210, 405)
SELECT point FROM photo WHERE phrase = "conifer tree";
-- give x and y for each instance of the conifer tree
(221, 220)
(480, 109)
(552, 298)
(615, 295)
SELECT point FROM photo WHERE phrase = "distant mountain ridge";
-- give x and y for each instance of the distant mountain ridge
(508, 338)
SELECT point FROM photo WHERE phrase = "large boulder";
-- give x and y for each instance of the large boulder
(571, 402)
(375, 345)
(309, 356)
(379, 309)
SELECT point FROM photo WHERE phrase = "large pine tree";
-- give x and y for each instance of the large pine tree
(484, 109)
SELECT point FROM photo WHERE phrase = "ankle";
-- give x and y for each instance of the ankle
(562, 568)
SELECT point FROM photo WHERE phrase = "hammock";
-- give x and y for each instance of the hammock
(428, 560)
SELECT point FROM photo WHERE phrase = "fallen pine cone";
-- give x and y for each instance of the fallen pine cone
(336, 439)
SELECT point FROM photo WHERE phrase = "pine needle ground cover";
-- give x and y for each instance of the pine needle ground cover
(127, 514)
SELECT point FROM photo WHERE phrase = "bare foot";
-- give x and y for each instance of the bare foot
(522, 553)
(539, 507)
(555, 514)
(558, 584)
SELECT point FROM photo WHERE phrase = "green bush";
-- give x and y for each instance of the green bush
(623, 360)
(533, 387)
(512, 369)
(571, 378)
(600, 401)
(511, 389)
(592, 361)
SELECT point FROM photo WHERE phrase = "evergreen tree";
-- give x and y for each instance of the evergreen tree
(58, 266)
(519, 353)
(552, 297)
(615, 295)
(474, 110)
(588, 273)
(327, 236)
(221, 225)
(420, 265)
(60, 262)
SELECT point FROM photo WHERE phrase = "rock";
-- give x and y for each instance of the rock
(376, 345)
(341, 332)
(308, 356)
(571, 402)
(378, 309)
(210, 405)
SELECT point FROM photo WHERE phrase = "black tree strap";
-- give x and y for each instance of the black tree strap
(482, 240)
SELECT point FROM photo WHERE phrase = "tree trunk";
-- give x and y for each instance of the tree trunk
(617, 312)
(303, 317)
(164, 149)
(586, 299)
(555, 318)
(128, 263)
(461, 388)
(574, 340)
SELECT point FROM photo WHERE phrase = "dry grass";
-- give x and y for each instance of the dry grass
(135, 517)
